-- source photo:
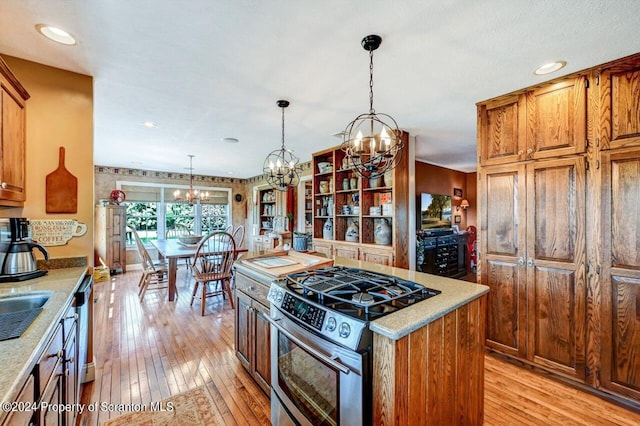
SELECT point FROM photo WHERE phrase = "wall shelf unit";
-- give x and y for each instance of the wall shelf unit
(350, 202)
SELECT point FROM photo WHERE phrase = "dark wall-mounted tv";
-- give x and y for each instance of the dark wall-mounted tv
(435, 211)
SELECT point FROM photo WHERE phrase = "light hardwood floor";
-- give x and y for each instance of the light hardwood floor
(150, 350)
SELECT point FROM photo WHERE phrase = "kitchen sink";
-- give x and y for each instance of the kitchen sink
(24, 301)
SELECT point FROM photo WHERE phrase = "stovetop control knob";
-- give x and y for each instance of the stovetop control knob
(331, 324)
(345, 330)
(279, 295)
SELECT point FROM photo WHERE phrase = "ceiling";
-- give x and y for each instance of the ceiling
(204, 70)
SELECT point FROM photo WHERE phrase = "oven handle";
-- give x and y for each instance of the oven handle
(308, 348)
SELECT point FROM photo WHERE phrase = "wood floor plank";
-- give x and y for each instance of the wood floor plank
(147, 351)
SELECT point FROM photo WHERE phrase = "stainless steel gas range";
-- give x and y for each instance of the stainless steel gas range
(321, 344)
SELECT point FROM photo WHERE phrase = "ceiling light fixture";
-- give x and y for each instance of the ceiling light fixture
(192, 195)
(230, 140)
(150, 125)
(550, 67)
(372, 142)
(281, 166)
(56, 34)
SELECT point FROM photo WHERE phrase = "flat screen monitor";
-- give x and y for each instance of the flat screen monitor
(435, 211)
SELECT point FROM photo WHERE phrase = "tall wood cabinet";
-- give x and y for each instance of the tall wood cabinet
(559, 184)
(110, 238)
(338, 190)
(13, 97)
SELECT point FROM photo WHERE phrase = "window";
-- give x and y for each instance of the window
(152, 211)
(143, 217)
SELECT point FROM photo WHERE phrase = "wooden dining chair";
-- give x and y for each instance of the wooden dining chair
(154, 272)
(212, 268)
(238, 236)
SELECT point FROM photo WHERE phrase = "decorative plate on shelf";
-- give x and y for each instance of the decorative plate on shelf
(117, 196)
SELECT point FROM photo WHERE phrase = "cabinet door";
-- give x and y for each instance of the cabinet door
(557, 119)
(243, 331)
(501, 125)
(621, 272)
(502, 261)
(71, 375)
(323, 248)
(12, 154)
(620, 124)
(373, 255)
(556, 282)
(348, 251)
(50, 414)
(262, 341)
(118, 245)
(26, 396)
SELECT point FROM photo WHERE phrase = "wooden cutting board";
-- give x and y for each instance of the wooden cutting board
(299, 262)
(62, 189)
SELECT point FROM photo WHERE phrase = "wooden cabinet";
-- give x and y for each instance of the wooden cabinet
(545, 122)
(558, 227)
(346, 201)
(263, 242)
(267, 209)
(619, 122)
(110, 241)
(57, 373)
(12, 138)
(25, 396)
(253, 334)
(534, 261)
(620, 275)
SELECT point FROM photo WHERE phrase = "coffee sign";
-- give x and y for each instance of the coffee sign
(56, 232)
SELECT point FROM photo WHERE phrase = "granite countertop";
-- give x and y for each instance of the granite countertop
(454, 293)
(18, 356)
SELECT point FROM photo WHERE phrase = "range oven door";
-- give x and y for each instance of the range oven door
(314, 381)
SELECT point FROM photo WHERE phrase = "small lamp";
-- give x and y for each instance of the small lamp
(464, 205)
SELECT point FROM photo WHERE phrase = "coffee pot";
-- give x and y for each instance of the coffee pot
(17, 256)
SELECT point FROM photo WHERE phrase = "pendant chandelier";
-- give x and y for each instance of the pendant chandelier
(372, 142)
(192, 195)
(281, 166)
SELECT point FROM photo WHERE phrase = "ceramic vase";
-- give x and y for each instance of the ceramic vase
(327, 230)
(353, 183)
(388, 178)
(382, 232)
(352, 233)
(345, 184)
(375, 181)
(324, 187)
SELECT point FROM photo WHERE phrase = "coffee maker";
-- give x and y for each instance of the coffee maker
(17, 262)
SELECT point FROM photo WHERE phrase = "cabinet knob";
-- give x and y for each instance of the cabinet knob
(520, 152)
(521, 261)
(530, 151)
(4, 185)
(530, 262)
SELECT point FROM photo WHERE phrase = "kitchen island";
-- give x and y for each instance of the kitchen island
(19, 356)
(428, 358)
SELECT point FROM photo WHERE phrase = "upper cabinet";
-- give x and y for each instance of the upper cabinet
(12, 138)
(620, 111)
(545, 122)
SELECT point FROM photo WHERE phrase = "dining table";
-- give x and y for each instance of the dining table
(173, 250)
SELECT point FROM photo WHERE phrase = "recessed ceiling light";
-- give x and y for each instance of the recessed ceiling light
(550, 67)
(230, 140)
(56, 34)
(230, 173)
(149, 124)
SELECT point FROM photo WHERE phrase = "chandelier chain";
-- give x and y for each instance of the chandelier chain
(371, 110)
(283, 128)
